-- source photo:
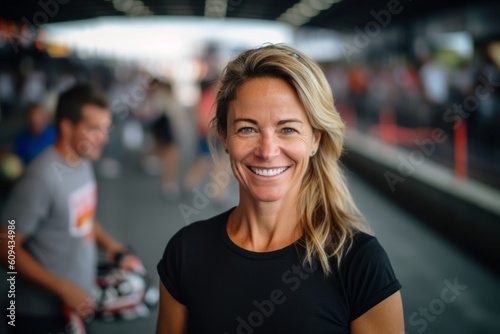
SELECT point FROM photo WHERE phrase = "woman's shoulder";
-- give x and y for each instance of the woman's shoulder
(364, 248)
(361, 239)
(363, 244)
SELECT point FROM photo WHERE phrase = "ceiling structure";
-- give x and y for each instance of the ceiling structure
(332, 14)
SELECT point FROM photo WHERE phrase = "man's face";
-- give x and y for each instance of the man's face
(91, 134)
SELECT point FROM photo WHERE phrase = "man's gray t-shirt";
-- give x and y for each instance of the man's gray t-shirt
(53, 205)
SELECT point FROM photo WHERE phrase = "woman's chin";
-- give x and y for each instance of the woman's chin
(266, 195)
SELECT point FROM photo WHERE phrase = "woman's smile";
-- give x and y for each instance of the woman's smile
(268, 172)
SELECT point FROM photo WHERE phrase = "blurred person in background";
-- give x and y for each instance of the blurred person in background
(292, 257)
(381, 94)
(204, 112)
(36, 136)
(435, 89)
(110, 164)
(407, 96)
(156, 111)
(34, 86)
(164, 101)
(358, 77)
(53, 209)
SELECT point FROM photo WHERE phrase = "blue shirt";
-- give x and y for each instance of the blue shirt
(28, 146)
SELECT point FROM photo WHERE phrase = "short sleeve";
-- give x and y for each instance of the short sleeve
(28, 203)
(369, 276)
(170, 267)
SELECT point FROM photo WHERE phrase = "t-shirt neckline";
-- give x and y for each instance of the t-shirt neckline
(248, 253)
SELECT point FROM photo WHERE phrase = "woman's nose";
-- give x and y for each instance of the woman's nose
(268, 147)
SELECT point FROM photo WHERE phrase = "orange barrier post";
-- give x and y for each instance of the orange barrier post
(460, 150)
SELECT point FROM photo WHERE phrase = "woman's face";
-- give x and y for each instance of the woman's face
(270, 140)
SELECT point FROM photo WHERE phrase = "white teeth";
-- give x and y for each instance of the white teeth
(268, 172)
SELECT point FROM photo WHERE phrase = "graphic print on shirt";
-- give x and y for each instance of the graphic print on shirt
(82, 203)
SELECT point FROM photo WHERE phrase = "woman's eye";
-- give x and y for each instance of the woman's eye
(288, 131)
(246, 130)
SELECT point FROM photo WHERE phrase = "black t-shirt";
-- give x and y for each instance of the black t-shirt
(230, 290)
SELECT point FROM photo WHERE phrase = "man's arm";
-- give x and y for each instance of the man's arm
(26, 266)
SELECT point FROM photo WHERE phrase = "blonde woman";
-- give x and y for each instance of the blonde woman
(292, 257)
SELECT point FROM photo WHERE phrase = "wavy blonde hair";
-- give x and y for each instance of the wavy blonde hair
(328, 216)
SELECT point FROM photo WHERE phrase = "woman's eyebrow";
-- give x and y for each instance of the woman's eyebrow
(249, 120)
(291, 120)
(280, 122)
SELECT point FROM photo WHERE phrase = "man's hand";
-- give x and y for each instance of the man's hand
(113, 250)
(77, 300)
(132, 263)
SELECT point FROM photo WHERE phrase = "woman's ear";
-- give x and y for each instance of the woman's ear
(316, 139)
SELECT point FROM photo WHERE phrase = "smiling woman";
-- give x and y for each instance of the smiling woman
(293, 256)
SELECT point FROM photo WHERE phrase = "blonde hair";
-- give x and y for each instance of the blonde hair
(328, 216)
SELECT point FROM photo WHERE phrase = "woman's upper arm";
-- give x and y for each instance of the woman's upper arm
(172, 315)
(386, 317)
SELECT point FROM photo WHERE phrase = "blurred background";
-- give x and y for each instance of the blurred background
(417, 83)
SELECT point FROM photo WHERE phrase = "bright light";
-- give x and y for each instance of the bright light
(162, 38)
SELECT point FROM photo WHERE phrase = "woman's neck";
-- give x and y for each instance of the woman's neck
(264, 226)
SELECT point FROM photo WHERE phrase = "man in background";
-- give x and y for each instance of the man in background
(52, 208)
